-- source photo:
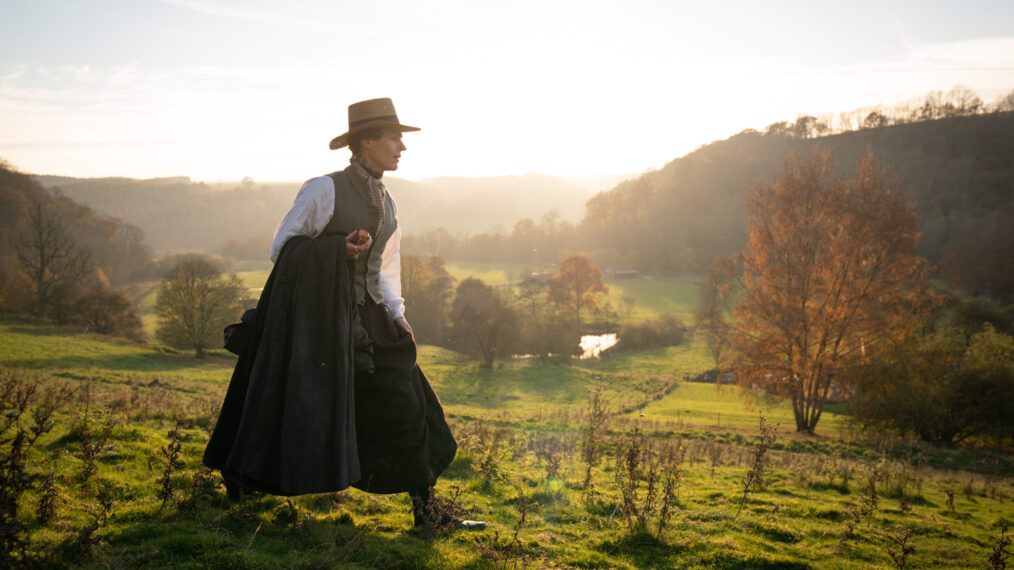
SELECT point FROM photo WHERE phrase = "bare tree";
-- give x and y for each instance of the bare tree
(49, 257)
(964, 101)
(711, 319)
(1004, 104)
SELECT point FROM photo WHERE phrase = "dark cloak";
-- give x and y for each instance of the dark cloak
(298, 419)
(404, 440)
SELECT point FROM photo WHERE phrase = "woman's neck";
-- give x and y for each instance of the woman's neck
(372, 170)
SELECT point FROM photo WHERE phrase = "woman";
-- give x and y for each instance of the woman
(326, 392)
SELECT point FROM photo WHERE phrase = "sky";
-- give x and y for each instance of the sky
(225, 89)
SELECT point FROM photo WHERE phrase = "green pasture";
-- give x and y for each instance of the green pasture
(653, 297)
(490, 273)
(707, 406)
(520, 426)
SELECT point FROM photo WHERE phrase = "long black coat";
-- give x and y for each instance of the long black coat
(296, 417)
(287, 425)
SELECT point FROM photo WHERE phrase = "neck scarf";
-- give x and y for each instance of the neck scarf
(372, 177)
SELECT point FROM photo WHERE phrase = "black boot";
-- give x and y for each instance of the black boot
(427, 515)
(422, 511)
(233, 489)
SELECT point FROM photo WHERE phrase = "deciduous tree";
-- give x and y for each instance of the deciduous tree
(712, 317)
(108, 312)
(49, 257)
(828, 270)
(578, 285)
(483, 321)
(427, 288)
(195, 302)
(546, 330)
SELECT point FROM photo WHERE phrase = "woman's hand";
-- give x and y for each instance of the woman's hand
(357, 242)
(403, 324)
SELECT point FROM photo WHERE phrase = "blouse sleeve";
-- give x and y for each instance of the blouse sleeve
(390, 273)
(311, 211)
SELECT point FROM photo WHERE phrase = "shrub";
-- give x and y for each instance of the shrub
(108, 312)
(940, 388)
(665, 330)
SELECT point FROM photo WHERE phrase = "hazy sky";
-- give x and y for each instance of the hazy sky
(221, 89)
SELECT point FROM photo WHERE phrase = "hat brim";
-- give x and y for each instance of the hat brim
(342, 140)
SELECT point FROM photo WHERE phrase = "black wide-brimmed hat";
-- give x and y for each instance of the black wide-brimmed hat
(375, 113)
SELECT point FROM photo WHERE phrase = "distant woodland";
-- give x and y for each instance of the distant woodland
(59, 260)
(959, 171)
(238, 219)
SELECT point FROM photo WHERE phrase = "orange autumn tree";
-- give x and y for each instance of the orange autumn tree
(828, 273)
(578, 285)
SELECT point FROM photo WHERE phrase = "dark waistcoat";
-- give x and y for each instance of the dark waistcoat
(353, 211)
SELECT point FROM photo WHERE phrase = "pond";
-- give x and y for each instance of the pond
(592, 345)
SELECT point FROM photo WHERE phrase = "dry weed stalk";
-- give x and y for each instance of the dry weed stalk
(904, 550)
(511, 552)
(593, 435)
(46, 509)
(648, 483)
(171, 453)
(998, 559)
(18, 397)
(755, 476)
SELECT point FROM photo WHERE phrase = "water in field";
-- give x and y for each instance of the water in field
(592, 345)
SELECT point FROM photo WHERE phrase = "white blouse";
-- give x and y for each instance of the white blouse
(310, 213)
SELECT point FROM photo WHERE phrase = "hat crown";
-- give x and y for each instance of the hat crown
(372, 110)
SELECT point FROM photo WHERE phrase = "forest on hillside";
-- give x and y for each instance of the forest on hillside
(238, 219)
(958, 171)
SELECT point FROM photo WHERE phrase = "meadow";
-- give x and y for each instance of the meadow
(116, 479)
(651, 297)
(623, 462)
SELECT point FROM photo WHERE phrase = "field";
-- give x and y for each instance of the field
(651, 297)
(103, 492)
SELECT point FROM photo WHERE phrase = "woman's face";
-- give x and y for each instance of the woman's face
(384, 153)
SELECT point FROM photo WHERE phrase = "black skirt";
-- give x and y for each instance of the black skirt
(403, 438)
(326, 394)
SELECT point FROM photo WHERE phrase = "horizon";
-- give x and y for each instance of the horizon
(222, 90)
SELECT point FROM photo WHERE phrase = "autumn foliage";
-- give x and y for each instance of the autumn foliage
(577, 286)
(828, 274)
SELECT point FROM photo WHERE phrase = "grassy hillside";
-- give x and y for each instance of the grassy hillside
(825, 501)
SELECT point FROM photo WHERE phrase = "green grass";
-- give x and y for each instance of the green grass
(520, 414)
(653, 297)
(491, 273)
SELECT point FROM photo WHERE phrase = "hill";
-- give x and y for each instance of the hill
(180, 214)
(957, 170)
(53, 250)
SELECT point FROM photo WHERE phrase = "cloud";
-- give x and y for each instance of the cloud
(994, 53)
(244, 13)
